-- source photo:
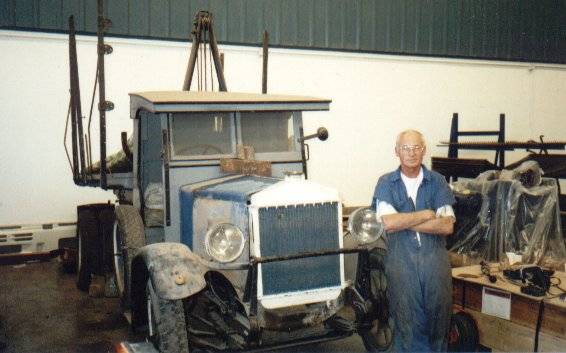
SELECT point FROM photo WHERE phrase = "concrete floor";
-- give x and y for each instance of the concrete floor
(41, 310)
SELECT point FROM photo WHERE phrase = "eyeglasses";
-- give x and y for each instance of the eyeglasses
(411, 148)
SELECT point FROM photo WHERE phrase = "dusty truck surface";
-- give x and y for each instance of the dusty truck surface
(221, 243)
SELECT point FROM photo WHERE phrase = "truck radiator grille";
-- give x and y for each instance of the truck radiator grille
(289, 230)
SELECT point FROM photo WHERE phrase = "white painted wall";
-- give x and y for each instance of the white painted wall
(374, 97)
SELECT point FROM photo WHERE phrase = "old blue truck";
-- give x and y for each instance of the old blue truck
(224, 244)
(219, 242)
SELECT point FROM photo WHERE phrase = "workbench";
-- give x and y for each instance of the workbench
(532, 323)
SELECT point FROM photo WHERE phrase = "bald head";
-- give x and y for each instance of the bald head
(410, 148)
(412, 135)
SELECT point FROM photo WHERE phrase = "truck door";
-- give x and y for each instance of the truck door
(151, 180)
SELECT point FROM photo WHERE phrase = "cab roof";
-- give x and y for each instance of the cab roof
(189, 101)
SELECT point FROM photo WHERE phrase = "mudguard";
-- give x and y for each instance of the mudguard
(173, 268)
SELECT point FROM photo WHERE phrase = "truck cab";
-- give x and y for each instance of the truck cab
(181, 138)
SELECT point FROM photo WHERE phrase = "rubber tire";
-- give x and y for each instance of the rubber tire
(87, 229)
(463, 328)
(167, 329)
(83, 273)
(106, 220)
(379, 294)
(130, 225)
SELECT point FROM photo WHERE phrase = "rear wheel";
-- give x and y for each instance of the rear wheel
(166, 322)
(118, 258)
(83, 273)
(128, 236)
(87, 257)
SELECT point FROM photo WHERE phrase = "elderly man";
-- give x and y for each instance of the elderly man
(415, 206)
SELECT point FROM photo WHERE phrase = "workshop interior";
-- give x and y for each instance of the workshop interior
(197, 175)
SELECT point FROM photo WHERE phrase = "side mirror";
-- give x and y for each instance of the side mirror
(321, 134)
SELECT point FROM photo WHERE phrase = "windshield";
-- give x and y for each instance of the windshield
(201, 135)
(268, 131)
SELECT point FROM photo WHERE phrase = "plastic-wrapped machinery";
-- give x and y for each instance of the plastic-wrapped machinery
(510, 211)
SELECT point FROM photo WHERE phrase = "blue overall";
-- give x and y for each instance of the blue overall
(418, 275)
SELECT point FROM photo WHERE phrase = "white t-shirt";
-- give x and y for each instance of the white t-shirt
(412, 185)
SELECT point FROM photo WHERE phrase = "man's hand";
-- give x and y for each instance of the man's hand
(400, 221)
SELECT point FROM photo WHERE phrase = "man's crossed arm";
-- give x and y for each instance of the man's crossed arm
(425, 221)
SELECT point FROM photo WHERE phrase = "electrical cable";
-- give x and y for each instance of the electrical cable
(557, 285)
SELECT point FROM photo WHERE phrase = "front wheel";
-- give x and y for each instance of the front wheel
(378, 338)
(377, 333)
(167, 329)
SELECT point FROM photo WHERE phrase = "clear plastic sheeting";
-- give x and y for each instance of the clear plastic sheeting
(510, 211)
(153, 202)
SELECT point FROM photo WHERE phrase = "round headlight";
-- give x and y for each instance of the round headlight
(224, 242)
(364, 225)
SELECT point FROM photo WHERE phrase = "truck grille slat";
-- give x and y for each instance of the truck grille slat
(296, 229)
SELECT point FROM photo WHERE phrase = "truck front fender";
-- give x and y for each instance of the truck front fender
(173, 269)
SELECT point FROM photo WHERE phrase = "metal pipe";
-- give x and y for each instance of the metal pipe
(101, 92)
(267, 259)
(303, 152)
(501, 139)
(217, 63)
(65, 136)
(78, 108)
(72, 72)
(265, 58)
(192, 58)
(89, 144)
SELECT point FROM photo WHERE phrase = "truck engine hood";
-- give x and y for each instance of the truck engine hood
(236, 188)
(218, 200)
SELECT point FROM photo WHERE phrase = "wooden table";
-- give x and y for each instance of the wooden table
(520, 332)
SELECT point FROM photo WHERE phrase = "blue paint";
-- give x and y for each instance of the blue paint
(186, 202)
(236, 190)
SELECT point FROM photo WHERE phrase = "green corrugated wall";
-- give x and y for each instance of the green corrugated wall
(520, 30)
